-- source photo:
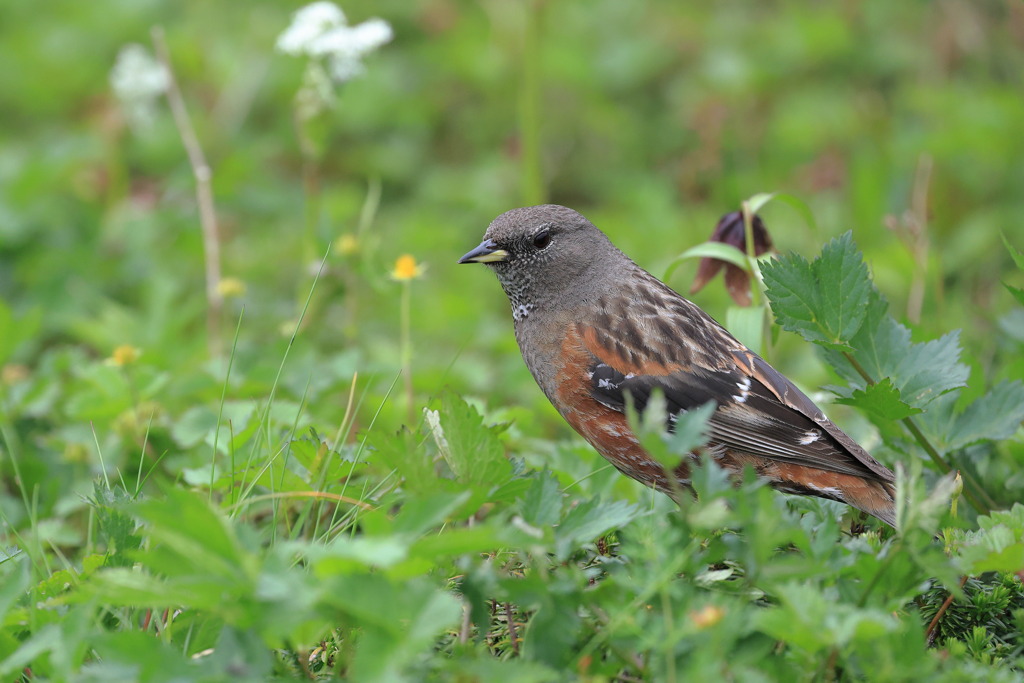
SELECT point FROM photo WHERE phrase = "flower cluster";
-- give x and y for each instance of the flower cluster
(321, 31)
(138, 79)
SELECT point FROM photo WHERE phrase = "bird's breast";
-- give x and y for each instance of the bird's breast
(565, 375)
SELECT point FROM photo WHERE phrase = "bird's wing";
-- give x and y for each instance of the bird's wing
(677, 349)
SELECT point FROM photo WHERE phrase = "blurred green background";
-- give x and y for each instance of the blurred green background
(903, 122)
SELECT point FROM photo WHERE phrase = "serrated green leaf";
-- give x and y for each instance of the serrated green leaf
(921, 372)
(690, 429)
(551, 634)
(590, 519)
(998, 545)
(931, 369)
(880, 400)
(188, 536)
(471, 449)
(542, 504)
(996, 415)
(1017, 293)
(825, 300)
(399, 620)
(421, 513)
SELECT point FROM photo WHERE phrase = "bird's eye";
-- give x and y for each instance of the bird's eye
(542, 239)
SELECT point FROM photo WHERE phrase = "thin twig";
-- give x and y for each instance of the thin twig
(510, 619)
(919, 236)
(467, 624)
(204, 194)
(933, 627)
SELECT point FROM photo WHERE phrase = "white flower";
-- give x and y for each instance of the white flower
(138, 75)
(320, 31)
(308, 24)
(138, 79)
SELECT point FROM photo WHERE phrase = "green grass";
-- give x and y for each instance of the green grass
(362, 481)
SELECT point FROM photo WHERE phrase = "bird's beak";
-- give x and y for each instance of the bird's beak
(487, 252)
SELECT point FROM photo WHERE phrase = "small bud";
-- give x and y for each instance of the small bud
(730, 230)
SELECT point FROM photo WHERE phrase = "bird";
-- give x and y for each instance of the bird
(594, 327)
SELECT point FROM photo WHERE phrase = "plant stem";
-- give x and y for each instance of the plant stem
(311, 190)
(204, 194)
(406, 346)
(756, 294)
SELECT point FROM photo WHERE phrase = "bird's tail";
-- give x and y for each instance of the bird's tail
(877, 498)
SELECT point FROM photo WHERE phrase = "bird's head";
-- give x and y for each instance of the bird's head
(539, 253)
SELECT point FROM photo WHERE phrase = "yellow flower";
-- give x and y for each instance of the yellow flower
(123, 355)
(347, 244)
(230, 287)
(406, 268)
(706, 617)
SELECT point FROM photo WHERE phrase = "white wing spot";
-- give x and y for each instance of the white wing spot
(809, 437)
(744, 386)
(827, 490)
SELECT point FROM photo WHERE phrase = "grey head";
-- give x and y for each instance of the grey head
(544, 254)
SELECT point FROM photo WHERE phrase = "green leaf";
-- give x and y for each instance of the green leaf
(493, 669)
(714, 250)
(921, 372)
(424, 512)
(188, 536)
(551, 634)
(811, 620)
(996, 415)
(400, 621)
(747, 324)
(998, 545)
(1017, 293)
(880, 400)
(471, 449)
(146, 657)
(1018, 256)
(758, 201)
(591, 519)
(690, 430)
(825, 300)
(542, 504)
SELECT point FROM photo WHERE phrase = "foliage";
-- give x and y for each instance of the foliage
(361, 480)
